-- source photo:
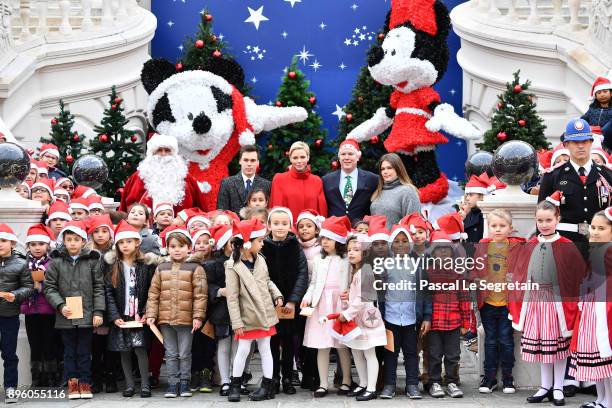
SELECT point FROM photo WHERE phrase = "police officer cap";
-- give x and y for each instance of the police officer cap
(577, 130)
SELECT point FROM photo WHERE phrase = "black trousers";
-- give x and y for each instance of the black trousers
(283, 364)
(203, 350)
(444, 347)
(103, 361)
(40, 330)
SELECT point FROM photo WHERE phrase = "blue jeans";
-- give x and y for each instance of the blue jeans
(9, 328)
(77, 353)
(499, 340)
(404, 337)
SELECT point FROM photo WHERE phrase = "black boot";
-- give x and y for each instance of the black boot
(265, 390)
(288, 387)
(52, 374)
(110, 383)
(234, 391)
(36, 368)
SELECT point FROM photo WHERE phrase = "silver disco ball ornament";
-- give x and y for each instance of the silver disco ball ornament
(515, 162)
(90, 171)
(14, 165)
(478, 163)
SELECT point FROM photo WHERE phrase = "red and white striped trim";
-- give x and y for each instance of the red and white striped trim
(8, 236)
(38, 238)
(332, 235)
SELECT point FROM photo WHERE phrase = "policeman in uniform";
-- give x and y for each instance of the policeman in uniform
(586, 186)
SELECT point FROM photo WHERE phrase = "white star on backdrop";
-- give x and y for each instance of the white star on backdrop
(304, 55)
(284, 34)
(354, 7)
(180, 47)
(220, 36)
(316, 65)
(256, 17)
(322, 25)
(339, 112)
(342, 66)
(170, 23)
(254, 80)
(293, 2)
(347, 42)
(452, 92)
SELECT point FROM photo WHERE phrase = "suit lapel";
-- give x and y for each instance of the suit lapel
(573, 175)
(360, 185)
(239, 183)
(336, 186)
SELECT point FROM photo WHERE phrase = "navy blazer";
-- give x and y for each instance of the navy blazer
(360, 204)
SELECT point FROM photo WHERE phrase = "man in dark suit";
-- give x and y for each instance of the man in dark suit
(348, 190)
(235, 189)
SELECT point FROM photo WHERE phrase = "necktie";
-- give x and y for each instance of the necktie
(248, 186)
(348, 191)
(582, 174)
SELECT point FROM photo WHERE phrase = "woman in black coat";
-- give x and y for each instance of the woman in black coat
(288, 270)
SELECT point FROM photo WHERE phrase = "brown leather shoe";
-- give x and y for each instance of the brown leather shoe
(73, 389)
(85, 390)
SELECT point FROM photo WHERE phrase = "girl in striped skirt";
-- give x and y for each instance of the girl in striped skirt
(546, 313)
(592, 344)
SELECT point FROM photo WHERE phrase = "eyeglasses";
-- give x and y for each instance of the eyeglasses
(39, 190)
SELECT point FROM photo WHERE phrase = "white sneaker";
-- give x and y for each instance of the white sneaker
(454, 391)
(9, 397)
(436, 390)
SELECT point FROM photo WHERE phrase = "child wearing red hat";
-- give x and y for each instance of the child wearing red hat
(138, 217)
(251, 298)
(473, 221)
(15, 286)
(163, 214)
(58, 216)
(600, 111)
(49, 153)
(39, 315)
(329, 281)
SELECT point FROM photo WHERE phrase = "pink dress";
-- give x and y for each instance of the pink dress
(317, 335)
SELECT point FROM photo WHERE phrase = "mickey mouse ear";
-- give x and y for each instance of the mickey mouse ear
(154, 72)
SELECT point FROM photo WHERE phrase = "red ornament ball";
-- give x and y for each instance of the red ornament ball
(349, 117)
(500, 105)
(75, 138)
(318, 143)
(501, 136)
(118, 100)
(114, 107)
(54, 121)
(103, 138)
(517, 89)
(69, 159)
(134, 138)
(522, 123)
(217, 54)
(179, 66)
(374, 140)
(278, 104)
(335, 165)
(381, 36)
(312, 100)
(208, 17)
(199, 44)
(292, 74)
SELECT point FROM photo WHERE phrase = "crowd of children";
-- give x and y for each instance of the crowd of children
(99, 289)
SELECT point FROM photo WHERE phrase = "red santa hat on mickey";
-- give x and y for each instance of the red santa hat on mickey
(556, 198)
(350, 144)
(126, 231)
(173, 229)
(77, 227)
(312, 215)
(7, 233)
(39, 233)
(47, 184)
(600, 84)
(99, 221)
(159, 207)
(200, 232)
(59, 210)
(341, 331)
(220, 234)
(249, 229)
(420, 13)
(283, 210)
(49, 148)
(336, 228)
(452, 224)
(478, 184)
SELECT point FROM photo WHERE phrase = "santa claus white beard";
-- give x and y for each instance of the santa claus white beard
(164, 178)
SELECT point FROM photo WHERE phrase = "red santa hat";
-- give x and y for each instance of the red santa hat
(496, 184)
(312, 215)
(234, 218)
(558, 151)
(556, 198)
(452, 224)
(158, 141)
(27, 184)
(83, 192)
(78, 227)
(597, 149)
(249, 229)
(187, 213)
(98, 221)
(159, 207)
(336, 228)
(414, 221)
(375, 221)
(419, 13)
(198, 216)
(198, 233)
(58, 192)
(47, 184)
(79, 203)
(342, 331)
(34, 164)
(173, 229)
(59, 210)
(95, 201)
(220, 235)
(283, 210)
(378, 232)
(396, 230)
(126, 231)
(350, 144)
(41, 167)
(62, 180)
(439, 236)
(600, 84)
(7, 233)
(49, 148)
(40, 233)
(609, 213)
(477, 184)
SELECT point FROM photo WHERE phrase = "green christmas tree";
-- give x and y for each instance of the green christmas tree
(368, 96)
(515, 118)
(204, 46)
(294, 91)
(120, 148)
(69, 143)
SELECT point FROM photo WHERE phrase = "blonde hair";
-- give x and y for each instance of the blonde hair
(501, 213)
(299, 146)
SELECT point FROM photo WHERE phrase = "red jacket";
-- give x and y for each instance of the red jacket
(298, 191)
(571, 270)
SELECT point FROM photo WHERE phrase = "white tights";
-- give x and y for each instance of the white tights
(323, 365)
(552, 376)
(367, 368)
(244, 349)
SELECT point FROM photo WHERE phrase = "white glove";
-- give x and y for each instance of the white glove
(446, 119)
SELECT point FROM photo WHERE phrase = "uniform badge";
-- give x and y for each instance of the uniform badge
(563, 182)
(567, 169)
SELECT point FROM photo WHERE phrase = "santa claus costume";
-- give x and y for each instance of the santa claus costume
(162, 179)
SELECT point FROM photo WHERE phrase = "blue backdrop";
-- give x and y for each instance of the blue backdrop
(330, 37)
